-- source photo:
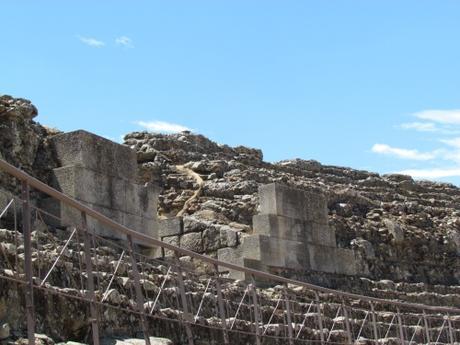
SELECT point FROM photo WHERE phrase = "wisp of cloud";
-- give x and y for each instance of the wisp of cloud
(162, 126)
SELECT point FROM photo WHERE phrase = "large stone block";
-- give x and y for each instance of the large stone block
(292, 232)
(192, 241)
(144, 225)
(62, 215)
(228, 236)
(174, 240)
(281, 227)
(170, 227)
(321, 234)
(103, 190)
(275, 252)
(322, 258)
(293, 203)
(90, 186)
(346, 262)
(96, 153)
(101, 174)
(232, 256)
(332, 260)
(141, 200)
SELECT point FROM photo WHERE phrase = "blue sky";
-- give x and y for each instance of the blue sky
(368, 84)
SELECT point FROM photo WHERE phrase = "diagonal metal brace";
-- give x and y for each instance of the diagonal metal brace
(59, 256)
(6, 208)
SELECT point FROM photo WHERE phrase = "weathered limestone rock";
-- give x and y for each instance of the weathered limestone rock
(192, 241)
(102, 175)
(395, 230)
(23, 142)
(136, 341)
(170, 227)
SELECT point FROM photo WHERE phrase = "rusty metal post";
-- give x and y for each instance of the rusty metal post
(427, 328)
(256, 310)
(288, 316)
(400, 324)
(220, 302)
(347, 322)
(29, 293)
(90, 282)
(320, 318)
(186, 316)
(137, 287)
(451, 332)
(374, 323)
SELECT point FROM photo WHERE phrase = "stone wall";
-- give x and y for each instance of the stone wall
(197, 235)
(292, 232)
(101, 174)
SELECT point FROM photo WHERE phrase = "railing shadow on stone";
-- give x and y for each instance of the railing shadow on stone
(113, 285)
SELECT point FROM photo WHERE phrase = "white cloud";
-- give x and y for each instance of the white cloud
(431, 173)
(451, 117)
(124, 41)
(162, 126)
(402, 153)
(92, 42)
(420, 126)
(455, 142)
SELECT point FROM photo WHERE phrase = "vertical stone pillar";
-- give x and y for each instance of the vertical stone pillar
(102, 175)
(292, 232)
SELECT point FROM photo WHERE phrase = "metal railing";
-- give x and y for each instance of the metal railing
(168, 290)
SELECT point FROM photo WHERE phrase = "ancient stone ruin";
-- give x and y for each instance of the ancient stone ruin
(102, 175)
(392, 241)
(292, 232)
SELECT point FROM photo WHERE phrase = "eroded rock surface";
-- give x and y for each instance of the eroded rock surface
(405, 230)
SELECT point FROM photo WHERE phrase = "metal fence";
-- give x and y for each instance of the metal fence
(198, 300)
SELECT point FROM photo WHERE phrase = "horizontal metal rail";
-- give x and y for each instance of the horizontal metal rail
(147, 240)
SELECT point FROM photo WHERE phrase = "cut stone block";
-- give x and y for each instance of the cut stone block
(292, 232)
(346, 262)
(232, 256)
(228, 236)
(170, 227)
(174, 240)
(293, 203)
(321, 234)
(65, 216)
(322, 258)
(69, 216)
(192, 241)
(281, 227)
(107, 191)
(332, 260)
(90, 186)
(141, 200)
(96, 153)
(211, 239)
(144, 225)
(275, 252)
